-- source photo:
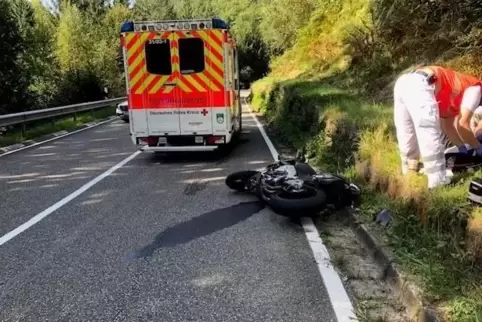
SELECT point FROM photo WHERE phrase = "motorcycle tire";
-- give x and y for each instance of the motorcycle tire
(297, 207)
(459, 162)
(238, 180)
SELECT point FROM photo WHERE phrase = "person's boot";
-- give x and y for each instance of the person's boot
(413, 165)
(438, 179)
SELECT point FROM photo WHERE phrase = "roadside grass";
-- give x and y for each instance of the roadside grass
(39, 128)
(436, 235)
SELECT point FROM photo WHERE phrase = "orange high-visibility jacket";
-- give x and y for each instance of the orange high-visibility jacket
(449, 88)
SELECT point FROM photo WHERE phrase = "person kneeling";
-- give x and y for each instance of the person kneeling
(428, 102)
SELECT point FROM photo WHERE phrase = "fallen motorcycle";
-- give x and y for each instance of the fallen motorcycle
(460, 162)
(292, 188)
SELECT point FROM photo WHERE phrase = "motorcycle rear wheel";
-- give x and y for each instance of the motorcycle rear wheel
(238, 180)
(290, 205)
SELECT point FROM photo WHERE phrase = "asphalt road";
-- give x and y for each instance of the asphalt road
(160, 239)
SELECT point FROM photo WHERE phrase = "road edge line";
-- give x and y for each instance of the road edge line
(22, 146)
(41, 215)
(339, 298)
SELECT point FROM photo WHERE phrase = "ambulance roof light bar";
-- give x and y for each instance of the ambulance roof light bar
(168, 25)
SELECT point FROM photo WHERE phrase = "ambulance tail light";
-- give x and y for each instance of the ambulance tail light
(150, 140)
(216, 140)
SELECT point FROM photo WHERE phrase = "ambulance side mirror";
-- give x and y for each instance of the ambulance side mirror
(236, 84)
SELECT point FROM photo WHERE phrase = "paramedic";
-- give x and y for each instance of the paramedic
(427, 102)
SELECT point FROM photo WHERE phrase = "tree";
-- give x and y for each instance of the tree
(281, 20)
(77, 38)
(44, 69)
(93, 6)
(14, 80)
(108, 54)
(154, 9)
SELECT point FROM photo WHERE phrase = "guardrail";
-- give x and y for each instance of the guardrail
(25, 117)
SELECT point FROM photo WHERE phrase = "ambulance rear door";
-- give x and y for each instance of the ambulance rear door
(160, 82)
(196, 83)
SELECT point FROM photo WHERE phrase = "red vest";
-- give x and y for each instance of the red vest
(449, 88)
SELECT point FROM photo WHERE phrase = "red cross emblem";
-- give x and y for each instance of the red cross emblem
(204, 112)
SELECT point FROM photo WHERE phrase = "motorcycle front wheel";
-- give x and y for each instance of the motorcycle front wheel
(238, 180)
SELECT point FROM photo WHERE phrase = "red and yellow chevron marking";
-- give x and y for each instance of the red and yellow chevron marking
(211, 77)
(141, 81)
(213, 49)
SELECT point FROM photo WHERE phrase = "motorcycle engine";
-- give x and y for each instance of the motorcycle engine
(287, 171)
(284, 175)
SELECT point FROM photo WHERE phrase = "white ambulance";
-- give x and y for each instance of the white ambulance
(182, 80)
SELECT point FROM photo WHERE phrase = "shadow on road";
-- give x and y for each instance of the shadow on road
(200, 226)
(218, 156)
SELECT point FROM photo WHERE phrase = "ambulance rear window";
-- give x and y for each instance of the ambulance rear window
(158, 57)
(191, 55)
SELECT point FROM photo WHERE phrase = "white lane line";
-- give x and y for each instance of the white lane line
(35, 219)
(56, 138)
(339, 299)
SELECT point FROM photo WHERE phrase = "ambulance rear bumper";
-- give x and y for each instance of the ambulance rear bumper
(201, 148)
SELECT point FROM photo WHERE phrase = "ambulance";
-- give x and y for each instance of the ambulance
(182, 80)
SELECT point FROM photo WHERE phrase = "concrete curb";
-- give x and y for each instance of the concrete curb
(408, 293)
(52, 136)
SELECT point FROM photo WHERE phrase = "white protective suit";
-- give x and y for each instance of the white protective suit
(417, 121)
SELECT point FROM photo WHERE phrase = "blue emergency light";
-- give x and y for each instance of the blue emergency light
(219, 24)
(127, 26)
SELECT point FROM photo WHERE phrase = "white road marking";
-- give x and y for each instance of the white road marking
(35, 219)
(339, 299)
(57, 137)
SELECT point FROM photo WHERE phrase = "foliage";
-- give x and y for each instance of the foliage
(70, 52)
(14, 77)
